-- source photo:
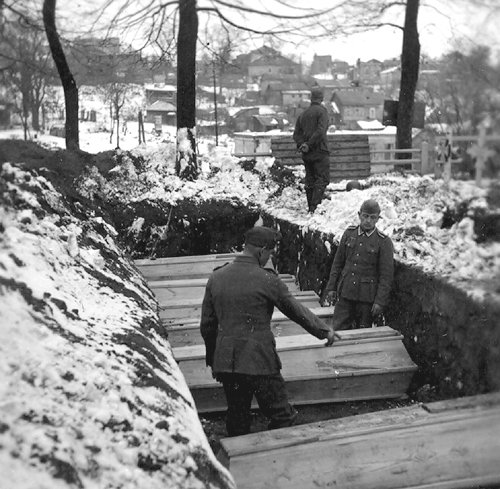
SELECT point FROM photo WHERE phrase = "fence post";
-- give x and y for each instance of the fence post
(447, 158)
(424, 158)
(481, 154)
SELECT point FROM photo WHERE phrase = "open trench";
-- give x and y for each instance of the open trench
(454, 339)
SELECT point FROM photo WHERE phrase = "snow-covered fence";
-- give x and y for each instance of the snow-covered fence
(478, 150)
(419, 160)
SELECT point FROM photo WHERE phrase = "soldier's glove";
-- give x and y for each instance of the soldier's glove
(304, 148)
(330, 299)
(332, 337)
(377, 310)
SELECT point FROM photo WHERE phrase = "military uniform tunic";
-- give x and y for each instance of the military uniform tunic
(236, 318)
(363, 268)
(240, 347)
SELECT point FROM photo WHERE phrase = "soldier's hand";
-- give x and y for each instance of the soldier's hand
(304, 148)
(377, 310)
(330, 299)
(331, 338)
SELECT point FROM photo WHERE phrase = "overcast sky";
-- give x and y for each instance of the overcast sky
(443, 27)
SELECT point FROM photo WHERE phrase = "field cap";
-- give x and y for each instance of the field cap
(317, 93)
(262, 236)
(370, 207)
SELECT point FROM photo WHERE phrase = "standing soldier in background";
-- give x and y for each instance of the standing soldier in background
(236, 327)
(310, 137)
(362, 272)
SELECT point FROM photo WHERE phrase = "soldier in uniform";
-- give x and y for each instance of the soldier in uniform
(311, 140)
(236, 327)
(362, 272)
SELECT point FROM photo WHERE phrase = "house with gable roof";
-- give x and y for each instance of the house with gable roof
(357, 105)
(267, 61)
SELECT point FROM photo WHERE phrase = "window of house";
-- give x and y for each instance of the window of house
(372, 113)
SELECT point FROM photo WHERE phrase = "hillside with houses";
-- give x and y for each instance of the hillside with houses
(258, 91)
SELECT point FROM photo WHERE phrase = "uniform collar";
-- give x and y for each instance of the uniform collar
(246, 259)
(360, 232)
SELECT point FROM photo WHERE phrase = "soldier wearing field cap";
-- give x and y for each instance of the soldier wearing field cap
(236, 326)
(311, 140)
(362, 272)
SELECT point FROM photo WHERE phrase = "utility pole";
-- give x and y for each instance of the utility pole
(215, 105)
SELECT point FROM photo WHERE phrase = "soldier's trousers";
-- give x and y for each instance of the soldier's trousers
(349, 314)
(271, 395)
(317, 179)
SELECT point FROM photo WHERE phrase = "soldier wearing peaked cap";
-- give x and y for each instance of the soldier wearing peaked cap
(236, 327)
(362, 272)
(311, 140)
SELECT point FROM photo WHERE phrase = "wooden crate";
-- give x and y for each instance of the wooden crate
(186, 331)
(369, 363)
(349, 155)
(443, 445)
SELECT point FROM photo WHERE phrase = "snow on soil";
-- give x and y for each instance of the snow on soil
(90, 395)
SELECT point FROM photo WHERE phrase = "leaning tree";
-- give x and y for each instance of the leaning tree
(67, 79)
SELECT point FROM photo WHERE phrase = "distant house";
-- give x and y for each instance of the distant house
(266, 60)
(160, 92)
(166, 110)
(256, 119)
(353, 106)
(295, 98)
(390, 79)
(340, 69)
(321, 64)
(368, 72)
(272, 88)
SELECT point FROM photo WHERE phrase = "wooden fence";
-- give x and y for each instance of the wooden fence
(479, 151)
(424, 159)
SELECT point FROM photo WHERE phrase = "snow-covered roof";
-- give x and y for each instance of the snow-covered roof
(370, 125)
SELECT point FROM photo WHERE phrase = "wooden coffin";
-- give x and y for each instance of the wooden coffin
(191, 308)
(186, 331)
(194, 289)
(184, 259)
(182, 268)
(443, 445)
(369, 363)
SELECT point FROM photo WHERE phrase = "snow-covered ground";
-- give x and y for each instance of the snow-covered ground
(90, 395)
(412, 206)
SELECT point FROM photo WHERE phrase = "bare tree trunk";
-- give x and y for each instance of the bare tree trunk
(410, 61)
(67, 79)
(186, 164)
(117, 112)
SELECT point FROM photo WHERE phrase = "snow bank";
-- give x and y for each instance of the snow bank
(90, 395)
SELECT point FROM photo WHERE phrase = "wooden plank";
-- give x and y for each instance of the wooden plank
(192, 308)
(411, 447)
(182, 302)
(346, 152)
(351, 370)
(195, 282)
(183, 259)
(173, 295)
(188, 334)
(181, 270)
(350, 164)
(300, 341)
(186, 323)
